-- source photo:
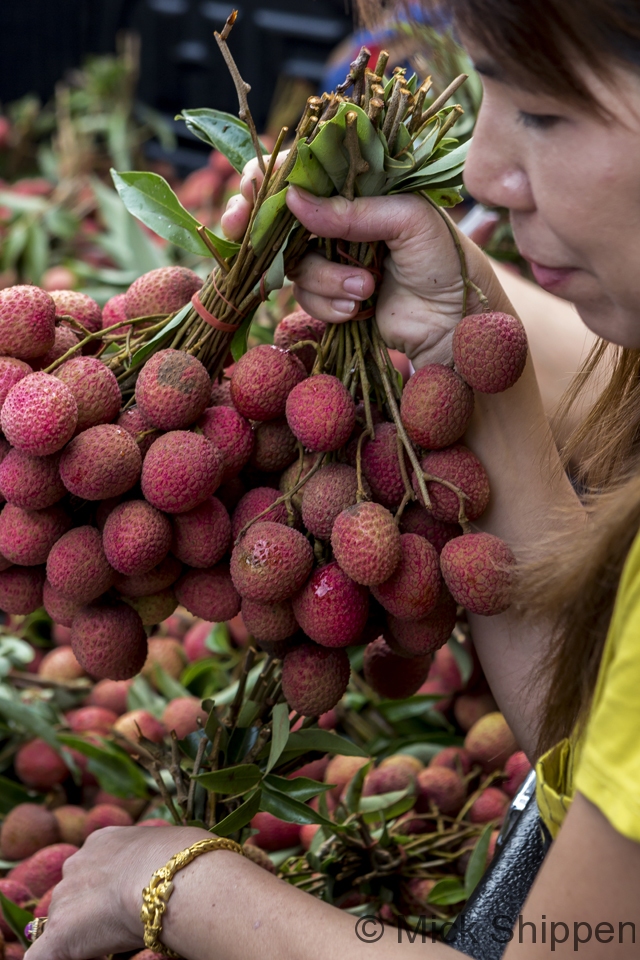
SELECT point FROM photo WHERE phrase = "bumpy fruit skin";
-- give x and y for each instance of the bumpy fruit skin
(442, 787)
(416, 519)
(314, 678)
(381, 466)
(26, 829)
(60, 664)
(201, 536)
(436, 407)
(27, 536)
(77, 566)
(478, 570)
(252, 504)
(490, 351)
(64, 339)
(221, 394)
(461, 467)
(412, 591)
(331, 608)
(11, 372)
(180, 471)
(60, 608)
(106, 815)
(330, 491)
(32, 483)
(145, 584)
(273, 834)
(102, 462)
(393, 676)
(172, 390)
(415, 638)
(274, 448)
(490, 742)
(271, 562)
(95, 389)
(115, 311)
(262, 380)
(517, 769)
(299, 326)
(39, 766)
(155, 607)
(39, 414)
(110, 695)
(163, 290)
(136, 537)
(134, 423)
(21, 589)
(387, 779)
(454, 758)
(269, 622)
(44, 869)
(182, 715)
(209, 594)
(167, 653)
(96, 719)
(80, 306)
(294, 474)
(109, 641)
(492, 804)
(366, 543)
(231, 433)
(27, 321)
(321, 413)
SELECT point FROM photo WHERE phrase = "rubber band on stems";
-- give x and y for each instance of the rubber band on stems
(209, 318)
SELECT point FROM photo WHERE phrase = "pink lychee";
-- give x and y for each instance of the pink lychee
(269, 622)
(490, 742)
(161, 291)
(145, 584)
(314, 678)
(412, 591)
(94, 388)
(478, 570)
(231, 433)
(275, 447)
(101, 462)
(80, 306)
(252, 504)
(296, 327)
(11, 372)
(321, 413)
(27, 322)
(390, 675)
(21, 589)
(416, 519)
(330, 491)
(109, 641)
(271, 562)
(77, 566)
(415, 638)
(436, 406)
(32, 483)
(201, 536)
(460, 467)
(39, 414)
(180, 471)
(490, 351)
(366, 543)
(262, 380)
(331, 608)
(136, 537)
(172, 390)
(27, 536)
(381, 458)
(182, 715)
(134, 423)
(209, 594)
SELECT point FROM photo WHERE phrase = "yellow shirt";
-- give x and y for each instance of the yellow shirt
(604, 763)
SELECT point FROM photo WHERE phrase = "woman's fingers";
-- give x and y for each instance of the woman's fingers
(330, 291)
(235, 219)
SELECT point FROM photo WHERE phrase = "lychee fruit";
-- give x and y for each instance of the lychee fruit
(446, 667)
(436, 406)
(262, 380)
(27, 322)
(296, 327)
(478, 569)
(308, 830)
(155, 607)
(460, 467)
(21, 589)
(331, 608)
(39, 766)
(60, 664)
(490, 351)
(340, 770)
(145, 584)
(327, 493)
(274, 834)
(314, 678)
(412, 590)
(80, 306)
(172, 390)
(252, 505)
(388, 780)
(470, 707)
(110, 695)
(517, 769)
(27, 536)
(415, 638)
(270, 563)
(294, 474)
(39, 414)
(390, 675)
(20, 895)
(269, 622)
(64, 340)
(381, 465)
(194, 643)
(77, 566)
(26, 829)
(140, 722)
(442, 787)
(11, 372)
(402, 761)
(136, 537)
(209, 594)
(454, 758)
(366, 543)
(201, 537)
(183, 715)
(134, 423)
(43, 870)
(490, 742)
(180, 471)
(321, 413)
(275, 447)
(101, 462)
(70, 820)
(96, 719)
(161, 291)
(232, 435)
(41, 908)
(416, 519)
(32, 483)
(167, 653)
(492, 804)
(115, 311)
(106, 815)
(221, 394)
(95, 389)
(109, 641)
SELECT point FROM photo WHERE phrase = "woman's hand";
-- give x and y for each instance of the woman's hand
(420, 298)
(95, 909)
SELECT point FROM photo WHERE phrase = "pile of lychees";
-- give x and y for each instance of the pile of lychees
(257, 494)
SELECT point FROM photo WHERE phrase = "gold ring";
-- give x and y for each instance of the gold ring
(35, 929)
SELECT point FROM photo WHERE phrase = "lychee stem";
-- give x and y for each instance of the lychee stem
(242, 88)
(364, 379)
(360, 495)
(283, 499)
(98, 335)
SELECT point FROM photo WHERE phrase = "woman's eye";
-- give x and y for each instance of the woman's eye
(537, 121)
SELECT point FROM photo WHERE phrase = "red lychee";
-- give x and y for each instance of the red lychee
(106, 815)
(140, 722)
(331, 608)
(80, 306)
(436, 407)
(517, 768)
(490, 742)
(460, 467)
(115, 311)
(388, 780)
(194, 643)
(32, 483)
(275, 447)
(64, 340)
(21, 589)
(231, 433)
(381, 465)
(77, 566)
(136, 537)
(393, 676)
(39, 414)
(274, 834)
(11, 372)
(490, 351)
(415, 638)
(101, 462)
(155, 607)
(70, 820)
(161, 291)
(314, 678)
(271, 562)
(145, 584)
(109, 641)
(330, 491)
(492, 804)
(442, 787)
(44, 869)
(27, 828)
(478, 570)
(134, 423)
(39, 766)
(416, 519)
(60, 664)
(252, 504)
(27, 322)
(182, 715)
(412, 591)
(95, 389)
(454, 758)
(110, 695)
(269, 622)
(96, 719)
(294, 474)
(262, 380)
(321, 413)
(209, 594)
(202, 536)
(296, 327)
(27, 536)
(221, 394)
(180, 471)
(172, 390)
(366, 543)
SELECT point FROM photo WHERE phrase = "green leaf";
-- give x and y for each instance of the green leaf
(226, 696)
(463, 659)
(239, 342)
(291, 810)
(155, 343)
(223, 131)
(301, 741)
(14, 242)
(328, 147)
(240, 817)
(16, 917)
(279, 733)
(36, 252)
(232, 779)
(21, 202)
(453, 160)
(447, 891)
(477, 861)
(12, 793)
(112, 767)
(300, 788)
(217, 639)
(248, 713)
(149, 197)
(417, 706)
(167, 685)
(390, 813)
(354, 791)
(124, 240)
(309, 173)
(142, 696)
(267, 219)
(446, 197)
(29, 718)
(382, 801)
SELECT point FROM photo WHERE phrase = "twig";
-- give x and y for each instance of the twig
(454, 116)
(242, 87)
(286, 496)
(202, 233)
(440, 101)
(176, 772)
(357, 164)
(197, 763)
(242, 682)
(356, 71)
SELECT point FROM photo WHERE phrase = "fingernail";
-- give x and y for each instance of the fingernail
(354, 286)
(345, 307)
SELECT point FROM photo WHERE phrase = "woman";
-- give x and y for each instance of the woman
(557, 143)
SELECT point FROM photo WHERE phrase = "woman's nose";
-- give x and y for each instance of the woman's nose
(494, 172)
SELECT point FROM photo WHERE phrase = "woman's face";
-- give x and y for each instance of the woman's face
(571, 181)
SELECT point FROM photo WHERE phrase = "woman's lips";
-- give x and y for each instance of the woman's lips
(551, 278)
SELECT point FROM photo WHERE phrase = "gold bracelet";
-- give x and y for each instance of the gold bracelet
(155, 897)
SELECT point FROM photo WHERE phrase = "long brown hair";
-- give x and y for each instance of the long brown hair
(542, 45)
